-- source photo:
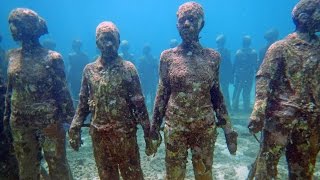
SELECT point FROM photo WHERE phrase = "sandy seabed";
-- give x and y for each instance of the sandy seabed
(225, 166)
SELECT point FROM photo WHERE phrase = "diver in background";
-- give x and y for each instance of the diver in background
(49, 44)
(77, 61)
(244, 68)
(174, 43)
(125, 54)
(188, 98)
(37, 100)
(270, 36)
(226, 75)
(148, 71)
(287, 106)
(111, 92)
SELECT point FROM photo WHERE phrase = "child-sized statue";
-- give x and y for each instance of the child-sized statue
(111, 92)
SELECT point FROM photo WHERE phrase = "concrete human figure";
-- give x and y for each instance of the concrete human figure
(226, 75)
(148, 71)
(188, 97)
(77, 61)
(38, 101)
(49, 44)
(270, 36)
(287, 106)
(244, 68)
(111, 92)
(125, 53)
(174, 43)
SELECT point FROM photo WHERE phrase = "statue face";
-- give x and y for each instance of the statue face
(189, 25)
(15, 32)
(26, 24)
(316, 19)
(108, 43)
(306, 16)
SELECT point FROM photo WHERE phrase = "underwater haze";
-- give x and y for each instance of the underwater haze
(154, 22)
(151, 21)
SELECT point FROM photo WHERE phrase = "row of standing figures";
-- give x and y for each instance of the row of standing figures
(188, 98)
(240, 73)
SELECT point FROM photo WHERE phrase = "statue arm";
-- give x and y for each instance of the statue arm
(137, 102)
(7, 111)
(61, 90)
(162, 97)
(83, 108)
(265, 79)
(217, 100)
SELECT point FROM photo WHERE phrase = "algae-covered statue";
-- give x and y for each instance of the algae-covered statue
(77, 61)
(49, 44)
(188, 97)
(148, 71)
(111, 92)
(173, 43)
(37, 99)
(287, 106)
(125, 53)
(226, 75)
(270, 36)
(244, 68)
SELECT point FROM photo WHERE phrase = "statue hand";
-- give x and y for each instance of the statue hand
(255, 126)
(231, 140)
(155, 141)
(75, 139)
(149, 148)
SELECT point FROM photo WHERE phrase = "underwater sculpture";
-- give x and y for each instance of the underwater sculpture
(287, 106)
(244, 67)
(77, 61)
(125, 54)
(49, 44)
(111, 92)
(148, 73)
(188, 97)
(173, 43)
(38, 101)
(226, 75)
(270, 36)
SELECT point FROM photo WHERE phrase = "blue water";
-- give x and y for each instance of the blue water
(152, 21)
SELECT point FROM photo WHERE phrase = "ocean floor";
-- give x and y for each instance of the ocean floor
(225, 166)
